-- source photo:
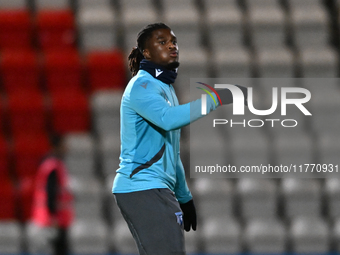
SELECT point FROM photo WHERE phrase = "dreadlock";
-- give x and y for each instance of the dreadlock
(136, 55)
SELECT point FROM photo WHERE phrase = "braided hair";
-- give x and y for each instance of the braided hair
(136, 54)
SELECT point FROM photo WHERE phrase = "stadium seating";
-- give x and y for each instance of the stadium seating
(275, 62)
(332, 196)
(265, 236)
(89, 237)
(318, 62)
(216, 4)
(336, 234)
(4, 159)
(222, 235)
(212, 145)
(248, 148)
(88, 197)
(8, 200)
(267, 26)
(328, 147)
(105, 70)
(28, 150)
(110, 206)
(109, 148)
(233, 62)
(285, 154)
(225, 24)
(193, 242)
(36, 239)
(134, 15)
(183, 18)
(13, 4)
(121, 238)
(51, 4)
(25, 198)
(309, 235)
(70, 112)
(97, 29)
(310, 26)
(214, 193)
(3, 117)
(105, 111)
(15, 29)
(80, 155)
(302, 197)
(258, 198)
(193, 65)
(257, 4)
(63, 70)
(27, 113)
(88, 4)
(10, 237)
(298, 4)
(325, 116)
(56, 29)
(19, 70)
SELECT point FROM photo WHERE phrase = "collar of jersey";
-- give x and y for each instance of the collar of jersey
(158, 71)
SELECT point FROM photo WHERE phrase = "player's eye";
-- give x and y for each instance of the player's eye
(174, 42)
(162, 42)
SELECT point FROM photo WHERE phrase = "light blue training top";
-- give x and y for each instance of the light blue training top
(150, 121)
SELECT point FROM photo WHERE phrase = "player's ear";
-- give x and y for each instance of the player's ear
(146, 54)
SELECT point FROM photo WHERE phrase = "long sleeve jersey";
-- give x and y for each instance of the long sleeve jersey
(151, 120)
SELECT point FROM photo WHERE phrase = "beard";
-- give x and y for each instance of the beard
(172, 65)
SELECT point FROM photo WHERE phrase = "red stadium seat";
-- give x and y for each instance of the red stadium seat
(4, 160)
(106, 70)
(62, 70)
(28, 150)
(3, 121)
(7, 201)
(19, 70)
(27, 113)
(70, 112)
(56, 29)
(25, 198)
(15, 29)
(7, 189)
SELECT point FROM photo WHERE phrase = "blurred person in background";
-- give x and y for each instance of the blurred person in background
(52, 204)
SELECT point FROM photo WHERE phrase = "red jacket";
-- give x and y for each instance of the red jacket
(64, 213)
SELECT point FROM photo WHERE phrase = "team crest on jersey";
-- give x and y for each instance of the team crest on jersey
(179, 216)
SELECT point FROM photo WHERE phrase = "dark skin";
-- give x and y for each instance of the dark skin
(162, 49)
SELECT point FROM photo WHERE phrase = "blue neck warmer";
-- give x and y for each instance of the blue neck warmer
(158, 72)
